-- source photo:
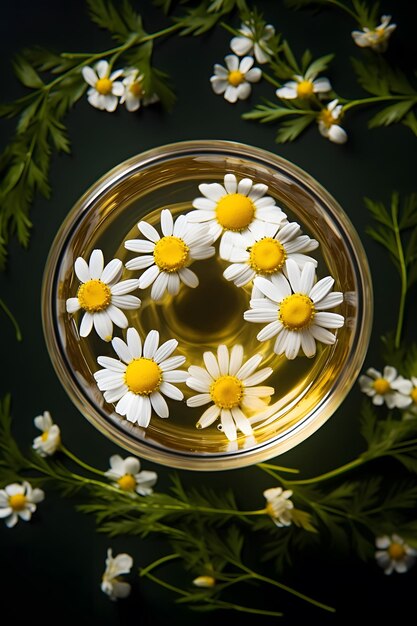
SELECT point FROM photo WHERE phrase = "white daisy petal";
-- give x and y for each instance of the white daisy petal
(323, 335)
(197, 384)
(124, 287)
(307, 277)
(199, 400)
(159, 287)
(121, 350)
(228, 424)
(188, 277)
(126, 302)
(86, 324)
(330, 301)
(134, 343)
(269, 331)
(170, 391)
(148, 277)
(174, 282)
(200, 374)
(140, 262)
(72, 305)
(165, 350)
(144, 412)
(159, 405)
(167, 223)
(211, 364)
(258, 377)
(111, 364)
(249, 367)
(149, 231)
(89, 76)
(308, 345)
(117, 316)
(209, 416)
(81, 270)
(175, 376)
(223, 359)
(236, 359)
(96, 264)
(142, 246)
(241, 421)
(151, 344)
(329, 320)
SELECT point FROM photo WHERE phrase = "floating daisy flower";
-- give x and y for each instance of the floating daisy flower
(265, 252)
(279, 506)
(111, 584)
(232, 388)
(134, 94)
(328, 119)
(234, 208)
(250, 42)
(50, 440)
(101, 296)
(375, 38)
(19, 501)
(304, 87)
(167, 258)
(139, 379)
(295, 309)
(394, 555)
(104, 88)
(127, 476)
(387, 387)
(235, 81)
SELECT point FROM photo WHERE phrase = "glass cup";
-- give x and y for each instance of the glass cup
(168, 176)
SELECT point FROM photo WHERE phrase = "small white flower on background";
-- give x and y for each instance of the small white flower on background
(375, 38)
(279, 505)
(304, 87)
(50, 440)
(233, 209)
(387, 387)
(232, 388)
(328, 119)
(411, 411)
(234, 80)
(126, 474)
(394, 555)
(142, 375)
(104, 88)
(111, 585)
(134, 94)
(295, 308)
(248, 43)
(265, 252)
(167, 258)
(101, 296)
(19, 501)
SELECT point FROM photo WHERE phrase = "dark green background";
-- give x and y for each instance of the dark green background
(53, 566)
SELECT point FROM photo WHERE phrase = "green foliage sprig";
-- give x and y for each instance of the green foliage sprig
(363, 13)
(396, 231)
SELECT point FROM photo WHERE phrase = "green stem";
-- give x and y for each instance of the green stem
(12, 319)
(278, 468)
(372, 100)
(165, 559)
(213, 601)
(328, 475)
(403, 270)
(290, 590)
(271, 80)
(79, 462)
(344, 8)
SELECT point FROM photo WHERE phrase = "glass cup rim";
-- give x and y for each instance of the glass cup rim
(297, 433)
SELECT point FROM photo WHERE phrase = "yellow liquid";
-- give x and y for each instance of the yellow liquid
(204, 317)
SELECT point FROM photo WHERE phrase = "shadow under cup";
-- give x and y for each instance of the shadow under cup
(202, 318)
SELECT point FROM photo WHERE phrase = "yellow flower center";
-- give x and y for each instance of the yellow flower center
(226, 391)
(396, 551)
(44, 435)
(414, 395)
(380, 32)
(127, 482)
(143, 376)
(235, 78)
(327, 118)
(170, 254)
(94, 296)
(104, 86)
(381, 386)
(17, 502)
(136, 89)
(267, 256)
(235, 211)
(296, 311)
(305, 89)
